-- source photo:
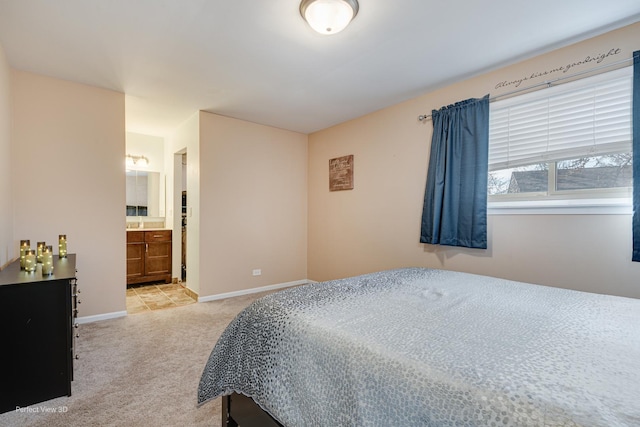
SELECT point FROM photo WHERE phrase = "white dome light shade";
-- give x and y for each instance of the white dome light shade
(328, 16)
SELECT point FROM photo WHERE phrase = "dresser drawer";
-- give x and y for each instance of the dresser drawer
(157, 236)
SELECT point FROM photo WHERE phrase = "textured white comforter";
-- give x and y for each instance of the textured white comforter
(422, 347)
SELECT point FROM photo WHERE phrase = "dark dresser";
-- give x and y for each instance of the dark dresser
(37, 322)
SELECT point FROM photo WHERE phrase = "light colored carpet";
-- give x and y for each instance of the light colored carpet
(140, 370)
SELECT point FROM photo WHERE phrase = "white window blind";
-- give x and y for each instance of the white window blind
(587, 117)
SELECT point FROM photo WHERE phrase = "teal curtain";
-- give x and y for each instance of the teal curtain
(455, 201)
(636, 156)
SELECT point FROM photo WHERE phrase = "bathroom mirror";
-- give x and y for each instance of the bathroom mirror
(143, 193)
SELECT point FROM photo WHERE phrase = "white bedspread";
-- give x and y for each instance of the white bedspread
(422, 347)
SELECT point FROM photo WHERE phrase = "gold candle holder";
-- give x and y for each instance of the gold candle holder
(30, 261)
(47, 261)
(40, 247)
(24, 247)
(62, 246)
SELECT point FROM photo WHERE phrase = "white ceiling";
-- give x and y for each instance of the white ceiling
(257, 60)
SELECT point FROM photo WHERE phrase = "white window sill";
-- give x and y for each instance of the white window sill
(611, 206)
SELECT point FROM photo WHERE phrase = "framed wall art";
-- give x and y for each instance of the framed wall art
(341, 173)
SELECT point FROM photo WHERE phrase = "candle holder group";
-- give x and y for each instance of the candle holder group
(43, 254)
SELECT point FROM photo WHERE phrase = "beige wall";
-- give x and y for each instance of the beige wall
(68, 178)
(376, 226)
(253, 205)
(260, 198)
(8, 247)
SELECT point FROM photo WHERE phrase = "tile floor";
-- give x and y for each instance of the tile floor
(156, 296)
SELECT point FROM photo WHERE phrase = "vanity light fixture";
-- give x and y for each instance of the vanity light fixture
(328, 16)
(137, 160)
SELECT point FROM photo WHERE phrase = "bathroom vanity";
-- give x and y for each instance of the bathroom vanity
(148, 256)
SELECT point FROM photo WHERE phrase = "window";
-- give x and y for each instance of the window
(570, 141)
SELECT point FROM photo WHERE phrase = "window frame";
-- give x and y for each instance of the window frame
(613, 200)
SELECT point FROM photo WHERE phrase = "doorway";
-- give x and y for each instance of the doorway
(181, 218)
(153, 296)
(183, 251)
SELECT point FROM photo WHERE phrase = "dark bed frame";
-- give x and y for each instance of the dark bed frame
(240, 410)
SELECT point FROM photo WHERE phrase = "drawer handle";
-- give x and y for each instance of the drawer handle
(157, 235)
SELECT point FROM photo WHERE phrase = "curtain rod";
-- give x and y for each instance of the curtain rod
(547, 83)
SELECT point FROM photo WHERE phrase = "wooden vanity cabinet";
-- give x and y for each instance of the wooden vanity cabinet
(148, 256)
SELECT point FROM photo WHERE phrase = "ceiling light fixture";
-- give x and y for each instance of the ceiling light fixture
(328, 16)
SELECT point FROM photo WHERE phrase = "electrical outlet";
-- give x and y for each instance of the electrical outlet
(257, 272)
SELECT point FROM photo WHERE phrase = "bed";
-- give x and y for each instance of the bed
(427, 347)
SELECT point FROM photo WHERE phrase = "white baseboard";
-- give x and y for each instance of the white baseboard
(98, 317)
(253, 290)
(116, 314)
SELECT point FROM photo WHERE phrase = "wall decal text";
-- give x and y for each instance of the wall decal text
(597, 59)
